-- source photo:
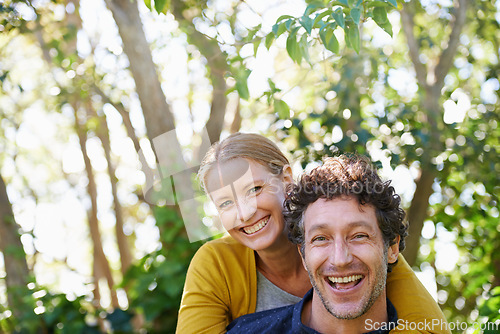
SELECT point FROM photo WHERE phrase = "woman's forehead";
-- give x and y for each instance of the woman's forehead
(235, 171)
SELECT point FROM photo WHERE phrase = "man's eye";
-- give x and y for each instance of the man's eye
(318, 239)
(360, 236)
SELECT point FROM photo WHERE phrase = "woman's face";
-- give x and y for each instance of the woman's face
(249, 199)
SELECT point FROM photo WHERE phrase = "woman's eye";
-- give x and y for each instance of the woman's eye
(255, 190)
(224, 204)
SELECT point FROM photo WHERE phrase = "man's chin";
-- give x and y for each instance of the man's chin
(348, 312)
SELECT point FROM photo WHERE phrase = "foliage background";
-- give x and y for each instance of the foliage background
(85, 85)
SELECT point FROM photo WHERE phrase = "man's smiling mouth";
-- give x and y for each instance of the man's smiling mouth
(256, 227)
(344, 282)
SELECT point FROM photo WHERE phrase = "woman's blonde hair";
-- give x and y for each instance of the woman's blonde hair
(243, 145)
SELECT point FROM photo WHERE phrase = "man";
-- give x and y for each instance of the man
(349, 228)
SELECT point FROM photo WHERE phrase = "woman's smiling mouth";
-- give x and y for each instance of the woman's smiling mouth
(256, 227)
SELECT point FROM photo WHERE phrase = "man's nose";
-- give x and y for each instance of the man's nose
(341, 254)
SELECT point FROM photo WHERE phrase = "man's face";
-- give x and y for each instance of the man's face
(345, 256)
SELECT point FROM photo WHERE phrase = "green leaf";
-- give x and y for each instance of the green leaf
(353, 34)
(393, 3)
(328, 38)
(307, 23)
(242, 84)
(387, 27)
(160, 5)
(304, 48)
(292, 46)
(272, 85)
(338, 16)
(256, 44)
(342, 2)
(320, 16)
(148, 4)
(311, 7)
(288, 24)
(252, 32)
(379, 15)
(356, 14)
(269, 40)
(284, 17)
(375, 4)
(278, 29)
(282, 109)
(333, 43)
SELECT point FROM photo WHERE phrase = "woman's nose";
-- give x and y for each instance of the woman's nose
(246, 209)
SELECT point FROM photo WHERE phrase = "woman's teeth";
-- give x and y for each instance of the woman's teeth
(257, 227)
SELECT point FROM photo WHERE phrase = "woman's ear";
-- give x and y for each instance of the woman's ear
(287, 174)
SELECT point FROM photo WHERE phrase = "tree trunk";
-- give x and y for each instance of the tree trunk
(102, 264)
(417, 213)
(121, 238)
(217, 64)
(430, 82)
(16, 267)
(236, 123)
(118, 106)
(157, 114)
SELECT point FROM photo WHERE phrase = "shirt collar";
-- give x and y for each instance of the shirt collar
(299, 327)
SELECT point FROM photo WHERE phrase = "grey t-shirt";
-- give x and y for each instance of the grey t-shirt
(269, 296)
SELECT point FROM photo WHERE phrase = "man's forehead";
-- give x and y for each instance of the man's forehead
(336, 212)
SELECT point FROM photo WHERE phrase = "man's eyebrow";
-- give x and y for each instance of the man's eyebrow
(319, 227)
(354, 224)
(361, 223)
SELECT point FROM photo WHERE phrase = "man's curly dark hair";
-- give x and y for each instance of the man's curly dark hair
(346, 176)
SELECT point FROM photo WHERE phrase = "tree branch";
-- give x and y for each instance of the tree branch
(446, 59)
(125, 117)
(407, 24)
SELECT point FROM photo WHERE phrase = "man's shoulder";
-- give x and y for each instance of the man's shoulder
(278, 320)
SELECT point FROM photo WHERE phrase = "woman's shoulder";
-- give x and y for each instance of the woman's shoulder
(225, 256)
(225, 246)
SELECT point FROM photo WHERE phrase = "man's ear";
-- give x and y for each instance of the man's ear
(299, 247)
(393, 251)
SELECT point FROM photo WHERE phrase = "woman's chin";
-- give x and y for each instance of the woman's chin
(259, 241)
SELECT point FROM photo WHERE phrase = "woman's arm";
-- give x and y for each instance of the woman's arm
(221, 285)
(204, 305)
(417, 311)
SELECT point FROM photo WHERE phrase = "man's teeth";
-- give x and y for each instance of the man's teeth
(256, 227)
(346, 279)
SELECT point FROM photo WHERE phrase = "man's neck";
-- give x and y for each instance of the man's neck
(315, 316)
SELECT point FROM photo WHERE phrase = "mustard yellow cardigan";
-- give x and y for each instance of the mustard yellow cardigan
(221, 285)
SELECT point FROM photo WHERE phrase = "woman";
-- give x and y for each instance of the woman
(245, 175)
